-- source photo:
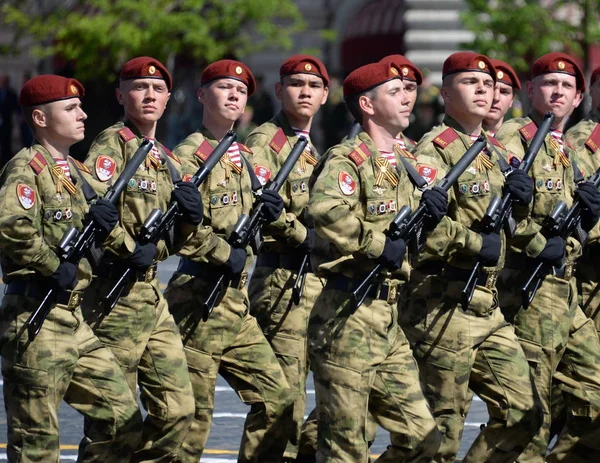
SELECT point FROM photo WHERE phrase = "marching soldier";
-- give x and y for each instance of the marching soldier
(507, 85)
(561, 344)
(139, 329)
(361, 360)
(41, 196)
(302, 90)
(461, 345)
(230, 342)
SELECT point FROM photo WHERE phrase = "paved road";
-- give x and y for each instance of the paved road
(228, 418)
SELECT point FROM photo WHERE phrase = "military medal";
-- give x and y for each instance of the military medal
(483, 161)
(384, 173)
(559, 154)
(62, 180)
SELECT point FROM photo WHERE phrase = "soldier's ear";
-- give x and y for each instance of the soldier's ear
(278, 90)
(529, 87)
(325, 95)
(39, 118)
(119, 95)
(366, 104)
(200, 95)
(445, 94)
(578, 99)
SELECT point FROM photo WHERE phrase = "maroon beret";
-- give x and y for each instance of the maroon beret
(229, 69)
(304, 64)
(506, 74)
(595, 75)
(144, 67)
(48, 88)
(407, 69)
(467, 61)
(369, 76)
(558, 62)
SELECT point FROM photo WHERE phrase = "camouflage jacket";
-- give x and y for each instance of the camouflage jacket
(226, 195)
(352, 203)
(271, 144)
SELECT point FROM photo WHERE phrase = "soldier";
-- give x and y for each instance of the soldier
(41, 195)
(230, 342)
(139, 329)
(507, 85)
(460, 346)
(302, 90)
(360, 358)
(561, 344)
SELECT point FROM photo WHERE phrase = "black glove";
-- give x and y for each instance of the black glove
(590, 197)
(189, 201)
(306, 244)
(491, 248)
(65, 276)
(105, 216)
(436, 202)
(520, 186)
(555, 251)
(143, 256)
(272, 205)
(393, 254)
(236, 262)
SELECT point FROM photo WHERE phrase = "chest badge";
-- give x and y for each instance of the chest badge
(346, 183)
(26, 196)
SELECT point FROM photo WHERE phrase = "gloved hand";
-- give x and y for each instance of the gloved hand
(393, 254)
(105, 216)
(491, 248)
(65, 276)
(142, 256)
(590, 197)
(436, 202)
(306, 244)
(189, 201)
(272, 205)
(520, 186)
(555, 251)
(236, 262)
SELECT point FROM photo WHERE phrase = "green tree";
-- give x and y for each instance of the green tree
(100, 35)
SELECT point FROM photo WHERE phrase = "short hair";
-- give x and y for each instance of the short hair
(28, 114)
(354, 107)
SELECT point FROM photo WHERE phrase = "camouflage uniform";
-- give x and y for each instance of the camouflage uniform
(65, 360)
(459, 347)
(230, 342)
(361, 359)
(140, 330)
(559, 341)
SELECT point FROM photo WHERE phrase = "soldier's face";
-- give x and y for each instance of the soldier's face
(144, 100)
(555, 92)
(595, 94)
(62, 121)
(224, 100)
(501, 103)
(391, 106)
(301, 95)
(468, 95)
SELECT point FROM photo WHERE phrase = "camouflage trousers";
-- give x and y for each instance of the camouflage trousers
(588, 284)
(230, 343)
(562, 348)
(285, 324)
(65, 361)
(144, 338)
(476, 348)
(362, 363)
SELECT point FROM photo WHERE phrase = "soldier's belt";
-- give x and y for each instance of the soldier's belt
(452, 273)
(37, 290)
(382, 291)
(520, 262)
(115, 270)
(290, 261)
(209, 273)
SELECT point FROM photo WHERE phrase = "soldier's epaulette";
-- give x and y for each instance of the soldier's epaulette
(38, 163)
(171, 155)
(126, 134)
(495, 142)
(528, 131)
(360, 154)
(445, 138)
(594, 140)
(81, 166)
(278, 140)
(203, 151)
(244, 148)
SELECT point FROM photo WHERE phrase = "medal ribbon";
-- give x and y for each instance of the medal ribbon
(559, 154)
(385, 173)
(62, 180)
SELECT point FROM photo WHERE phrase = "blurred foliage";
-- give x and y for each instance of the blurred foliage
(100, 35)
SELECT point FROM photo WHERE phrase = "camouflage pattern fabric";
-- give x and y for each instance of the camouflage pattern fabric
(65, 360)
(460, 347)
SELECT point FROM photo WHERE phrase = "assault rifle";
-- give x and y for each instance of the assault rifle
(158, 225)
(75, 244)
(499, 211)
(407, 225)
(247, 227)
(561, 222)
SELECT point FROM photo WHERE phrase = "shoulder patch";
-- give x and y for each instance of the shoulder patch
(203, 151)
(26, 196)
(81, 166)
(528, 131)
(445, 138)
(346, 183)
(170, 154)
(360, 154)
(278, 141)
(429, 173)
(495, 142)
(593, 142)
(105, 167)
(126, 134)
(244, 148)
(38, 163)
(263, 174)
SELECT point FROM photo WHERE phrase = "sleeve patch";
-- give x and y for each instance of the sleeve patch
(26, 196)
(187, 177)
(429, 173)
(528, 131)
(346, 183)
(38, 163)
(278, 140)
(445, 138)
(126, 134)
(105, 167)
(594, 141)
(203, 151)
(360, 154)
(262, 173)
